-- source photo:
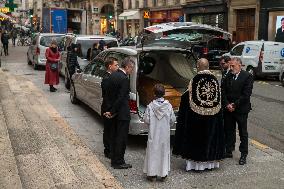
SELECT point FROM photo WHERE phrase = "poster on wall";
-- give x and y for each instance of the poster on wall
(279, 36)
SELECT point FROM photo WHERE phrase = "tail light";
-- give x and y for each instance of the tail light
(37, 51)
(133, 106)
(205, 50)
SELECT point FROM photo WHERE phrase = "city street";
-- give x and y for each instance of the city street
(265, 125)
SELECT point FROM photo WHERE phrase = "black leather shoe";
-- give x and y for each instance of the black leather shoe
(122, 166)
(163, 178)
(243, 160)
(151, 178)
(52, 90)
(229, 155)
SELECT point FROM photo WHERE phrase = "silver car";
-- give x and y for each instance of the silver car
(36, 51)
(168, 65)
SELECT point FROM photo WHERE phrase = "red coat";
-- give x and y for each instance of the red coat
(51, 77)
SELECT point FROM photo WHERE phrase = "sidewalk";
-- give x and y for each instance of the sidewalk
(37, 147)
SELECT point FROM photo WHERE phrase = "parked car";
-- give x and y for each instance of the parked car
(260, 58)
(86, 42)
(281, 75)
(36, 51)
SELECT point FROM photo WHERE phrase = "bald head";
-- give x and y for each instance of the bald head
(202, 64)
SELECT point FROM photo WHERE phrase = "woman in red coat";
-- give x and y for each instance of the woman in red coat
(51, 68)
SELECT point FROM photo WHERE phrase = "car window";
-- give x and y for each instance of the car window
(238, 50)
(219, 44)
(88, 69)
(88, 43)
(46, 40)
(99, 69)
(116, 55)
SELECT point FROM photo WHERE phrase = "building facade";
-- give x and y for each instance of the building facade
(138, 14)
(243, 19)
(271, 13)
(211, 12)
(100, 15)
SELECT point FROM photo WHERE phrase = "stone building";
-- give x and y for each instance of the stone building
(243, 19)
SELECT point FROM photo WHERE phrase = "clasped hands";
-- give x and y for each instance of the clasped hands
(231, 107)
(107, 115)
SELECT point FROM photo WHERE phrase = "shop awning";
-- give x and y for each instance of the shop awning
(130, 15)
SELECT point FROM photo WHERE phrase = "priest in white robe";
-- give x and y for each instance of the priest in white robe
(159, 116)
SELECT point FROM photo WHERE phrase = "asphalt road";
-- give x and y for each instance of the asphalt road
(266, 125)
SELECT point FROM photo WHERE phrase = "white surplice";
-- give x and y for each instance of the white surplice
(159, 116)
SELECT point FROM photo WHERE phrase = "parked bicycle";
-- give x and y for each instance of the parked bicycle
(24, 41)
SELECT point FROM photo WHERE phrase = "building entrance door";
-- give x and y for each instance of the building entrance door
(245, 27)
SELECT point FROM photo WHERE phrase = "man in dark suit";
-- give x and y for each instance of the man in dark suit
(225, 67)
(280, 32)
(119, 88)
(111, 65)
(236, 92)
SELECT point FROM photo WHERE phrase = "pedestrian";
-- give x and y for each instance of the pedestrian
(159, 117)
(199, 136)
(119, 89)
(102, 45)
(225, 67)
(14, 34)
(5, 42)
(51, 67)
(111, 66)
(72, 62)
(94, 51)
(236, 100)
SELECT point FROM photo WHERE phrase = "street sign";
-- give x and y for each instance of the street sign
(146, 14)
(181, 19)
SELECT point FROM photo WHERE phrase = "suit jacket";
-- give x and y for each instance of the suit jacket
(279, 35)
(238, 91)
(118, 92)
(106, 105)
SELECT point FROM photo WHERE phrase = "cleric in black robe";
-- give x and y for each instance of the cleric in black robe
(199, 136)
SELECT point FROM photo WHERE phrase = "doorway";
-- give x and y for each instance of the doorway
(245, 28)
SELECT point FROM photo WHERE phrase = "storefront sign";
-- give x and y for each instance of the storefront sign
(146, 14)
(4, 9)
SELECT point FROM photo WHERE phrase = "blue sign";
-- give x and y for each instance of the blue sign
(181, 19)
(282, 52)
(59, 20)
(247, 49)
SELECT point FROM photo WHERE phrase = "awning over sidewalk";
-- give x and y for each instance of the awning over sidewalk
(130, 15)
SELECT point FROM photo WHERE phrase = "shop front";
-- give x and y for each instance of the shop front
(131, 22)
(270, 24)
(209, 12)
(163, 16)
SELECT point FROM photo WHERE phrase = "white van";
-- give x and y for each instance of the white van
(260, 58)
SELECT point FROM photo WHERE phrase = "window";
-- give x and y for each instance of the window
(164, 2)
(238, 50)
(99, 69)
(154, 3)
(118, 56)
(136, 4)
(88, 69)
(129, 4)
(145, 3)
(46, 40)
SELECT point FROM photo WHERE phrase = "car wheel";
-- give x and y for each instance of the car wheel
(250, 69)
(282, 79)
(73, 97)
(66, 80)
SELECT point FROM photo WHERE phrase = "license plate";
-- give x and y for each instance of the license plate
(217, 57)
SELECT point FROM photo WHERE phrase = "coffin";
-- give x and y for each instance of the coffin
(146, 92)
